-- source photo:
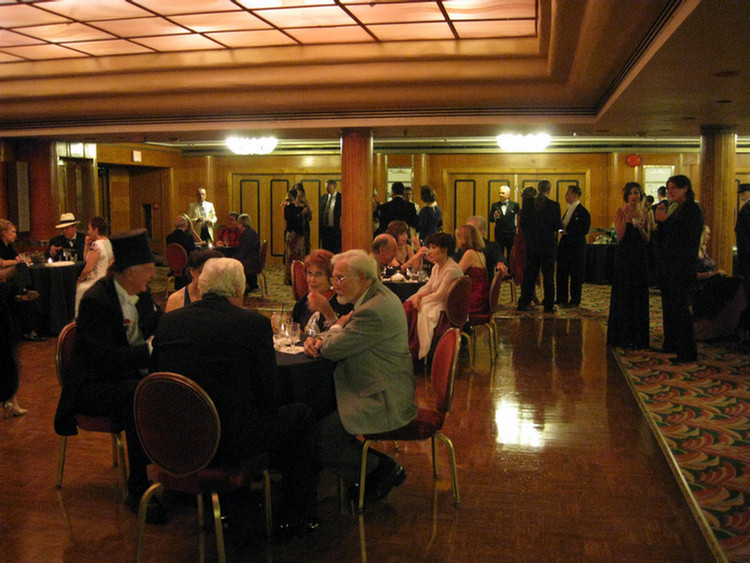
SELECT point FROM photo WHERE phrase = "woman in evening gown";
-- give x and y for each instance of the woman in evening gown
(474, 264)
(628, 325)
(98, 256)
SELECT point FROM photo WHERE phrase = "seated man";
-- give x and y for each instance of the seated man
(229, 352)
(182, 235)
(116, 321)
(230, 235)
(374, 379)
(383, 250)
(69, 241)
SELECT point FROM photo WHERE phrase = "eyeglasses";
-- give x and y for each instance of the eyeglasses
(314, 274)
(339, 279)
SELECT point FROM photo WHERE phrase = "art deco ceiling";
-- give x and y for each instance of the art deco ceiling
(184, 71)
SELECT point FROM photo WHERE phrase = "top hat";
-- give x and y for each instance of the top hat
(66, 220)
(131, 249)
(742, 188)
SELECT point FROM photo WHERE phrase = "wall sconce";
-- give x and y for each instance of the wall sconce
(254, 145)
(523, 143)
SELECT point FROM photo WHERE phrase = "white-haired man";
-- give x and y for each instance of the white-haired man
(229, 352)
(374, 377)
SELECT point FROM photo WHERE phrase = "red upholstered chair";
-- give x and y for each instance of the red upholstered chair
(179, 428)
(456, 312)
(429, 421)
(177, 260)
(299, 279)
(262, 254)
(63, 355)
(485, 320)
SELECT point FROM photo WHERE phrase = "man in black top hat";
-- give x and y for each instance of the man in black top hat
(116, 322)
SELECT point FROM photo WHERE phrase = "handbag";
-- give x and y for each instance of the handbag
(7, 273)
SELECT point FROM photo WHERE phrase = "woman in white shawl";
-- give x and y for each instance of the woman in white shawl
(424, 307)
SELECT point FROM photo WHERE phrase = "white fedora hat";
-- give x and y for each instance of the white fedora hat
(66, 220)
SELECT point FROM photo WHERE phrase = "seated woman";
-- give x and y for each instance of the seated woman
(98, 255)
(474, 264)
(424, 307)
(405, 257)
(190, 293)
(319, 308)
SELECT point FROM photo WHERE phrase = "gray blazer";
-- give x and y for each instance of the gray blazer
(374, 376)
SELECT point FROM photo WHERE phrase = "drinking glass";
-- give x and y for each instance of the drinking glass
(293, 334)
(276, 322)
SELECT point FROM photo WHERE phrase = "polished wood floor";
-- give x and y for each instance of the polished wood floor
(556, 464)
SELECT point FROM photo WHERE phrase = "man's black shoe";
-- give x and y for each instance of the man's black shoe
(571, 305)
(380, 489)
(33, 336)
(550, 309)
(523, 308)
(290, 530)
(681, 361)
(156, 513)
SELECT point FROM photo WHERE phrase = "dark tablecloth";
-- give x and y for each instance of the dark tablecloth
(403, 290)
(600, 263)
(306, 380)
(57, 293)
(228, 251)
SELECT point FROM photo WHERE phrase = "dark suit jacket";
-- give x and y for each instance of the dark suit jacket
(336, 210)
(248, 251)
(183, 238)
(76, 244)
(742, 231)
(541, 222)
(397, 209)
(101, 350)
(680, 237)
(228, 351)
(505, 225)
(579, 224)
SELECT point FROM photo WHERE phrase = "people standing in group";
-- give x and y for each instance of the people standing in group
(680, 234)
(329, 218)
(504, 213)
(540, 220)
(409, 196)
(69, 244)
(248, 252)
(190, 293)
(397, 209)
(571, 250)
(203, 215)
(473, 263)
(230, 235)
(742, 234)
(518, 252)
(628, 325)
(294, 240)
(98, 256)
(373, 378)
(116, 321)
(430, 218)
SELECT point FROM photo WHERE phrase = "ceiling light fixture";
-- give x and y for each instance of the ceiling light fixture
(252, 145)
(523, 143)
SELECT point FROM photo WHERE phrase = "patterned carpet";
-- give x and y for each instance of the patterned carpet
(700, 413)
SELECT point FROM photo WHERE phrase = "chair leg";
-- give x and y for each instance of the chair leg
(268, 507)
(218, 527)
(435, 472)
(201, 529)
(262, 283)
(118, 452)
(142, 509)
(61, 462)
(454, 473)
(362, 476)
(469, 339)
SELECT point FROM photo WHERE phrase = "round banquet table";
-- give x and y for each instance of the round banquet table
(228, 251)
(403, 289)
(56, 285)
(306, 380)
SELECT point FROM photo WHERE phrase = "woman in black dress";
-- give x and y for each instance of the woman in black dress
(628, 325)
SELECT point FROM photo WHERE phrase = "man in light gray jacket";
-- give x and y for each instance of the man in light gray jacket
(374, 377)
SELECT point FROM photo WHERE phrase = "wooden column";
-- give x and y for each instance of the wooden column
(718, 190)
(356, 188)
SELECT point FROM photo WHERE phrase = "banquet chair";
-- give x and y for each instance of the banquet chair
(299, 279)
(429, 421)
(63, 356)
(456, 312)
(485, 320)
(177, 260)
(179, 428)
(262, 254)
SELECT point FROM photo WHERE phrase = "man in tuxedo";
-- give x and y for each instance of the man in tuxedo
(116, 322)
(571, 252)
(397, 209)
(69, 240)
(374, 376)
(329, 218)
(228, 351)
(540, 221)
(742, 232)
(504, 214)
(203, 215)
